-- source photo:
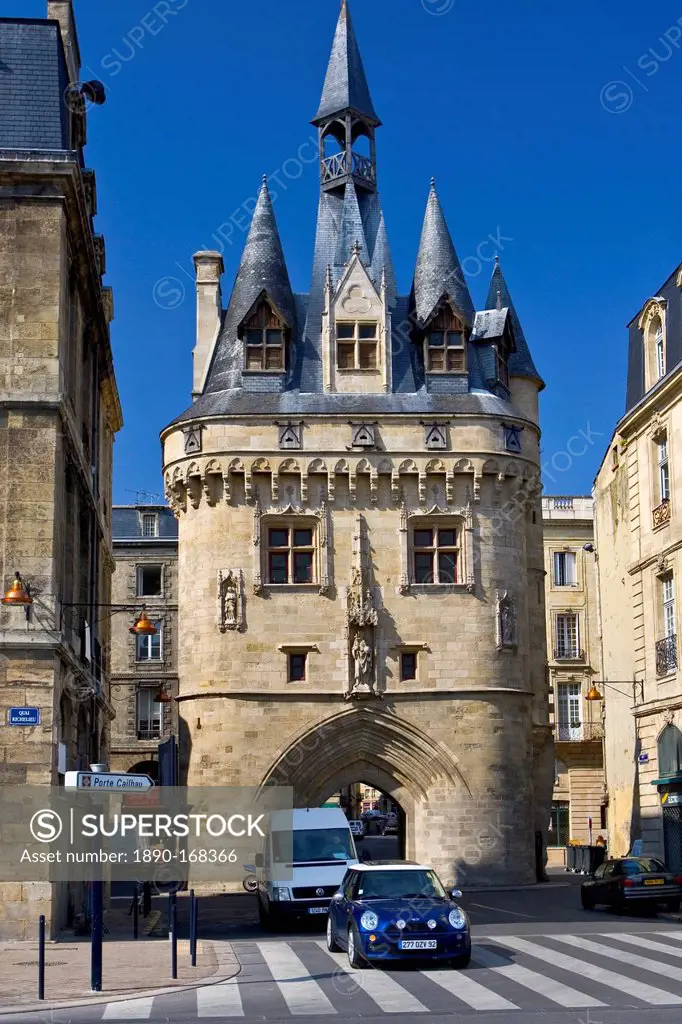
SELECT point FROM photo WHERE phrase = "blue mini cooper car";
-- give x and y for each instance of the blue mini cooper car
(396, 911)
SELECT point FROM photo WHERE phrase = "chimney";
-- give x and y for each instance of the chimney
(62, 11)
(209, 268)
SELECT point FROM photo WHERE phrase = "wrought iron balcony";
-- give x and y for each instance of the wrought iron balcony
(336, 166)
(568, 653)
(661, 514)
(666, 655)
(149, 732)
(579, 733)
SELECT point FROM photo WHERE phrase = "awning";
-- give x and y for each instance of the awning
(669, 780)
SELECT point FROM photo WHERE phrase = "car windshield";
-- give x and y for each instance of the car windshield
(382, 885)
(312, 845)
(644, 866)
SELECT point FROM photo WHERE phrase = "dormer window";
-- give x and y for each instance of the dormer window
(357, 345)
(502, 362)
(652, 324)
(445, 344)
(264, 339)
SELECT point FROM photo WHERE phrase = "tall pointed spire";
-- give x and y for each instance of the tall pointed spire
(438, 271)
(351, 229)
(345, 85)
(520, 362)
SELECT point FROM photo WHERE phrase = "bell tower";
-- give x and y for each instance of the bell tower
(346, 120)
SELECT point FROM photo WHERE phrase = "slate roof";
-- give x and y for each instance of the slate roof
(126, 523)
(348, 216)
(520, 362)
(262, 269)
(489, 324)
(345, 85)
(33, 80)
(438, 270)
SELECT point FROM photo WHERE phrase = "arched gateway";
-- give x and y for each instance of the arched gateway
(361, 569)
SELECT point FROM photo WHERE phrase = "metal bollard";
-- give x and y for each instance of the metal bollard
(174, 941)
(194, 925)
(136, 911)
(171, 901)
(41, 957)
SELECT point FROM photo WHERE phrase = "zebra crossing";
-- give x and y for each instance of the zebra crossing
(301, 978)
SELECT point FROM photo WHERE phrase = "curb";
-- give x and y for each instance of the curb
(536, 886)
(225, 957)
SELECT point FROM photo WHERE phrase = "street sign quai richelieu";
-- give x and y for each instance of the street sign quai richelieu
(23, 716)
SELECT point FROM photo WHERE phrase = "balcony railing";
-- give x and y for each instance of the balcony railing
(567, 653)
(149, 732)
(336, 166)
(666, 656)
(579, 733)
(661, 514)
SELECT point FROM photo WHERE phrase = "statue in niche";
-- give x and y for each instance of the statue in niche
(507, 624)
(362, 658)
(231, 603)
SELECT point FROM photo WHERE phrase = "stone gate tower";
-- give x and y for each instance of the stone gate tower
(361, 565)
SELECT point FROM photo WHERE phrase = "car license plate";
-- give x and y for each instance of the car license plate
(317, 910)
(418, 944)
(654, 881)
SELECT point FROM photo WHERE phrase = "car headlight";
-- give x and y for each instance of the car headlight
(432, 924)
(280, 894)
(400, 923)
(369, 921)
(457, 918)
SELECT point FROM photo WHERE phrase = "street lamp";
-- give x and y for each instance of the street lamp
(637, 685)
(18, 595)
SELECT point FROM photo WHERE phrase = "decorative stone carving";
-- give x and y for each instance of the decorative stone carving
(435, 436)
(663, 566)
(657, 427)
(465, 515)
(512, 438)
(362, 619)
(507, 625)
(363, 435)
(231, 600)
(669, 716)
(290, 435)
(193, 439)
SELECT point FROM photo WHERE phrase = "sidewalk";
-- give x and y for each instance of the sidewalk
(130, 969)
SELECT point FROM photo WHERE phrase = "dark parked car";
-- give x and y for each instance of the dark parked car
(632, 881)
(397, 911)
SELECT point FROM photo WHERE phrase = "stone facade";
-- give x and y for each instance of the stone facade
(327, 451)
(638, 536)
(573, 656)
(59, 411)
(146, 555)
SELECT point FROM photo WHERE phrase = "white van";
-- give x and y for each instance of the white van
(305, 856)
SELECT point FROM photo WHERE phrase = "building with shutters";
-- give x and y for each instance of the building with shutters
(360, 573)
(573, 656)
(638, 536)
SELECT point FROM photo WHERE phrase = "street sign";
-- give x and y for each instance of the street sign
(23, 716)
(671, 799)
(643, 758)
(107, 780)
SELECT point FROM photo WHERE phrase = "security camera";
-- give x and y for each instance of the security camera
(589, 547)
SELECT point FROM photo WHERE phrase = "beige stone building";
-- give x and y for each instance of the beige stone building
(144, 672)
(638, 494)
(360, 575)
(573, 656)
(59, 411)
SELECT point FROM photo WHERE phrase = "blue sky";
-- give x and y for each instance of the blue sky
(513, 108)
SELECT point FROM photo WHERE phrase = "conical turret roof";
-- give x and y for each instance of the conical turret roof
(345, 84)
(520, 362)
(438, 271)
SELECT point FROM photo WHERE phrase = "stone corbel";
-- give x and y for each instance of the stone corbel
(422, 487)
(450, 488)
(248, 486)
(373, 486)
(352, 484)
(331, 486)
(657, 427)
(395, 487)
(477, 485)
(274, 486)
(304, 486)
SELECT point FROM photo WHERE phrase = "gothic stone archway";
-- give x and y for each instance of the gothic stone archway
(419, 773)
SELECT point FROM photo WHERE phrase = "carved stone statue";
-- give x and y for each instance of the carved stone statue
(507, 621)
(231, 604)
(362, 658)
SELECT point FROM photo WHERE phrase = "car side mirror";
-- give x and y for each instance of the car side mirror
(338, 895)
(258, 860)
(456, 893)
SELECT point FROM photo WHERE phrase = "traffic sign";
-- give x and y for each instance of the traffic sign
(23, 716)
(107, 781)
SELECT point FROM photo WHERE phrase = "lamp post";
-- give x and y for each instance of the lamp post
(594, 694)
